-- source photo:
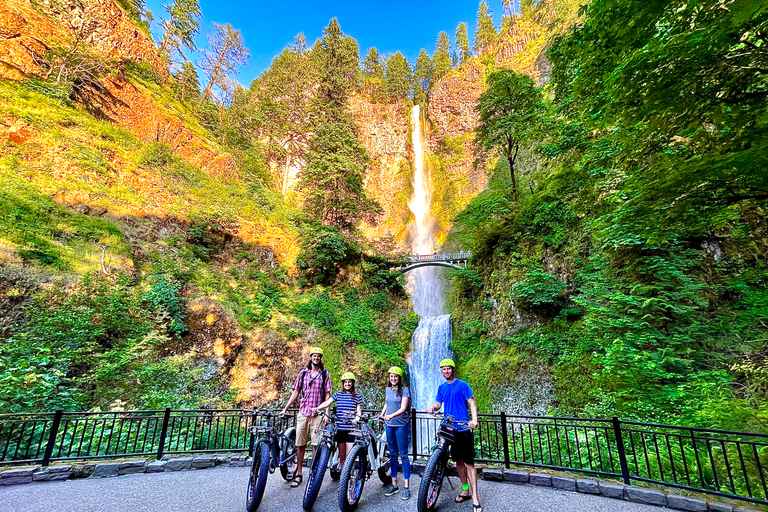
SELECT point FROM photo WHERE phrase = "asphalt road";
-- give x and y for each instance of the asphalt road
(223, 490)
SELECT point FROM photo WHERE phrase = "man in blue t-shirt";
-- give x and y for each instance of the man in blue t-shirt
(459, 401)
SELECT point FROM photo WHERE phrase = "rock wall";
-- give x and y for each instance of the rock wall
(384, 130)
(451, 112)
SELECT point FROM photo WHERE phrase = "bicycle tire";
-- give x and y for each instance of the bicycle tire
(431, 481)
(289, 448)
(316, 475)
(257, 481)
(355, 472)
(385, 469)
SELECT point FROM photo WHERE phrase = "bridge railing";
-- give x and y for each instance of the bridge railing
(452, 256)
(718, 462)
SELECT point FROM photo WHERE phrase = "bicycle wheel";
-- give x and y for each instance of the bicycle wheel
(353, 478)
(316, 475)
(431, 481)
(288, 450)
(334, 466)
(257, 481)
(385, 469)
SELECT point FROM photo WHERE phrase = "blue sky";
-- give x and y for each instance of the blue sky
(389, 25)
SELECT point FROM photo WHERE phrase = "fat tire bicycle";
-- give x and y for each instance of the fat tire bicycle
(369, 451)
(435, 470)
(325, 452)
(273, 449)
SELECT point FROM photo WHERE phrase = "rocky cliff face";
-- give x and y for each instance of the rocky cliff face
(384, 130)
(27, 31)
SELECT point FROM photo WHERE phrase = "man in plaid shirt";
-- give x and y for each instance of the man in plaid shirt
(314, 386)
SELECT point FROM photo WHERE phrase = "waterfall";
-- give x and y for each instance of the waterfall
(431, 340)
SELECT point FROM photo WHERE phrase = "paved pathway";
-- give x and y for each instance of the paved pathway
(223, 490)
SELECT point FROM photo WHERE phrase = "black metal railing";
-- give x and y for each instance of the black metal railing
(718, 462)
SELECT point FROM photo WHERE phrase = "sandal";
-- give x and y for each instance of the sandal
(461, 498)
(477, 508)
(296, 481)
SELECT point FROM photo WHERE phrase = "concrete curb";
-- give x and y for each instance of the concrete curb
(564, 482)
(609, 489)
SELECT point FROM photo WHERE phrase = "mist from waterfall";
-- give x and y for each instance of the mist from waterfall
(431, 340)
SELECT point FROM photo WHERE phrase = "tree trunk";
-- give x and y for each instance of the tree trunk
(511, 159)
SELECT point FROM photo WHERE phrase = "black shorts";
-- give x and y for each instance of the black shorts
(463, 448)
(344, 436)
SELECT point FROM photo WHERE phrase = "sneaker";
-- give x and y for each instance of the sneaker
(406, 493)
(392, 490)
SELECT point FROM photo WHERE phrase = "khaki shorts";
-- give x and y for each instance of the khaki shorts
(306, 427)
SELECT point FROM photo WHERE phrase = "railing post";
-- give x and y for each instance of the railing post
(52, 436)
(620, 446)
(414, 434)
(252, 438)
(504, 435)
(164, 432)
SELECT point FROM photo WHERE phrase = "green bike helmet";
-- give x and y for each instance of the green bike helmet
(447, 362)
(348, 376)
(316, 350)
(396, 370)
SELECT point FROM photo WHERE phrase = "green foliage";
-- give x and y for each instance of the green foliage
(397, 82)
(461, 42)
(333, 179)
(539, 290)
(485, 33)
(157, 154)
(337, 59)
(142, 71)
(163, 299)
(323, 250)
(512, 112)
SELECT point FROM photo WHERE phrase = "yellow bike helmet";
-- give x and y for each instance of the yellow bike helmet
(316, 350)
(348, 376)
(447, 362)
(396, 370)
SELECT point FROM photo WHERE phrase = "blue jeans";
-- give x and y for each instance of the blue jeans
(397, 440)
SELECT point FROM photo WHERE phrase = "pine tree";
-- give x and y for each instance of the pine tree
(187, 83)
(225, 55)
(442, 57)
(337, 59)
(182, 26)
(486, 34)
(372, 64)
(422, 75)
(333, 179)
(397, 82)
(461, 50)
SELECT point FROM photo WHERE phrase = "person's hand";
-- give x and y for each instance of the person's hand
(356, 420)
(387, 417)
(315, 410)
(430, 409)
(473, 424)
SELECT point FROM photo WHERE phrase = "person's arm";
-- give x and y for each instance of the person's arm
(473, 410)
(401, 410)
(359, 413)
(291, 400)
(384, 409)
(434, 407)
(324, 405)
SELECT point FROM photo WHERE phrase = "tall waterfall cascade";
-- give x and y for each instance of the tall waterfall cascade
(431, 340)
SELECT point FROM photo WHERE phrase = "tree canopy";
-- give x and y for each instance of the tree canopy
(511, 111)
(333, 179)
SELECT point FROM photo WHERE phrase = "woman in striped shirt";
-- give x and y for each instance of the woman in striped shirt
(349, 406)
